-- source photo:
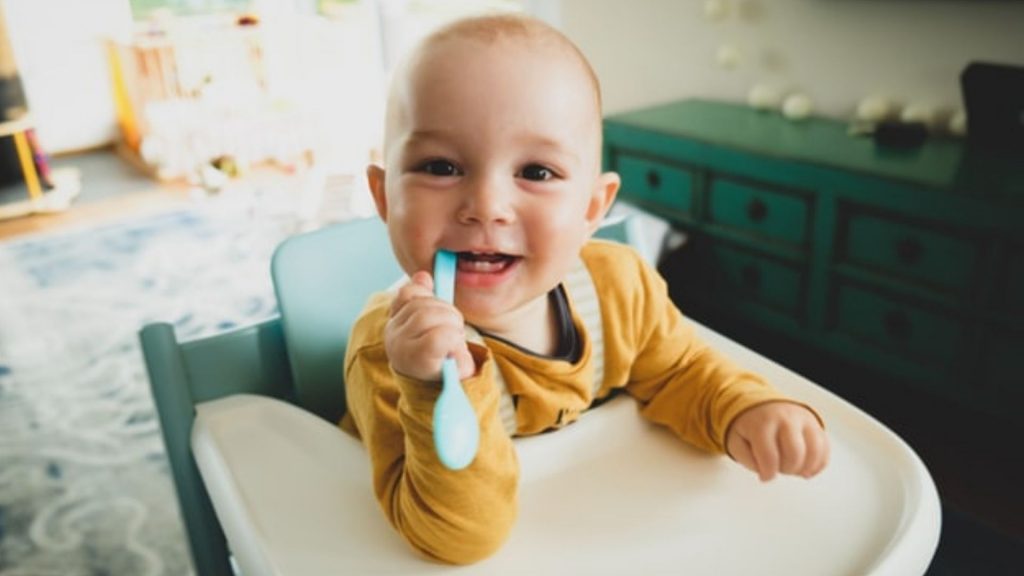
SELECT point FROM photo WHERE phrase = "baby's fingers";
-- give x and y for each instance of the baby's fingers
(818, 451)
(420, 285)
(766, 453)
(792, 449)
(465, 361)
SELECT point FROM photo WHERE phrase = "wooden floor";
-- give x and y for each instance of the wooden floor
(85, 214)
(111, 190)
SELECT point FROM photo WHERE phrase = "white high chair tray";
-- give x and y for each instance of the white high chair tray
(610, 494)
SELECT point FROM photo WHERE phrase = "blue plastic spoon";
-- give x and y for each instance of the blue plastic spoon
(456, 432)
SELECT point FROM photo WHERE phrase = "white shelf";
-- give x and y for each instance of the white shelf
(10, 127)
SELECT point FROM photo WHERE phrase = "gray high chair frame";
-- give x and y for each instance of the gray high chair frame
(321, 280)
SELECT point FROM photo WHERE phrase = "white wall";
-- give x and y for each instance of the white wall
(836, 51)
(646, 51)
(59, 48)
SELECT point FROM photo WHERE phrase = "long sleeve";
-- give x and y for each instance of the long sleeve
(452, 516)
(653, 351)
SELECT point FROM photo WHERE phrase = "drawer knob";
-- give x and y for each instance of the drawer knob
(653, 179)
(897, 325)
(750, 277)
(909, 251)
(757, 210)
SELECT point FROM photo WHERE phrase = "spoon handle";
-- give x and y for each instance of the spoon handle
(456, 432)
(444, 275)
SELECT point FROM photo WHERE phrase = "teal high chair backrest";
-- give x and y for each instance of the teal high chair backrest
(322, 279)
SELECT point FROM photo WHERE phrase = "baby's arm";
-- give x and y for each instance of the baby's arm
(717, 405)
(709, 401)
(778, 437)
(453, 516)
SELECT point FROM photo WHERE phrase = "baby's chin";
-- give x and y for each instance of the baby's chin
(487, 317)
(497, 316)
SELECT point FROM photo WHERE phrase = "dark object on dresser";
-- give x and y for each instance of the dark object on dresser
(900, 134)
(994, 102)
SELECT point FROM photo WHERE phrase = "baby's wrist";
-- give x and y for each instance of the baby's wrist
(417, 389)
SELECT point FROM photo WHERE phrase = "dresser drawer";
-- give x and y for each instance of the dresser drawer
(897, 327)
(755, 277)
(910, 250)
(763, 212)
(666, 185)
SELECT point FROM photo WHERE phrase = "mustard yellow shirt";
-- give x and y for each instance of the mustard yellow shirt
(647, 349)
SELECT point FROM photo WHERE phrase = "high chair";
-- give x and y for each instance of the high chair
(268, 483)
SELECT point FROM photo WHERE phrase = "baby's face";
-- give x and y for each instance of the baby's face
(494, 153)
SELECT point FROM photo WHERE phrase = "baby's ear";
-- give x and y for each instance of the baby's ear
(375, 176)
(606, 187)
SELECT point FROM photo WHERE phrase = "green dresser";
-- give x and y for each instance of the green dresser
(909, 263)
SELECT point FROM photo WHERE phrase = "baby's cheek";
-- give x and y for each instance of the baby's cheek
(414, 247)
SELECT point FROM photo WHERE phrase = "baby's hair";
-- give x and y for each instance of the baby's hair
(490, 28)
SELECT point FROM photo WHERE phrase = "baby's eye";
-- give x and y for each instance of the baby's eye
(537, 172)
(439, 168)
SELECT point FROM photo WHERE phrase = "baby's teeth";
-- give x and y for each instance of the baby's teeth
(485, 265)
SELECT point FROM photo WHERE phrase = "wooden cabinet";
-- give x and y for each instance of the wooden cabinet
(941, 258)
(761, 212)
(664, 184)
(772, 283)
(910, 334)
(909, 263)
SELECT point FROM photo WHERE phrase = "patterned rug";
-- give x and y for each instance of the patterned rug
(85, 488)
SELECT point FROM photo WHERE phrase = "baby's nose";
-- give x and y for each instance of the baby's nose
(487, 201)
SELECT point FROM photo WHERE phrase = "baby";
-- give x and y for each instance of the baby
(493, 151)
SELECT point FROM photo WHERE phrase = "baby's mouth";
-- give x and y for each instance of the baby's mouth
(485, 262)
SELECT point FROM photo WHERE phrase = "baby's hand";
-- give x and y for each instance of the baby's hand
(778, 437)
(423, 330)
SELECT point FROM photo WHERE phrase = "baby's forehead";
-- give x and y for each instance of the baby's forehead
(489, 74)
(521, 35)
(499, 28)
(445, 60)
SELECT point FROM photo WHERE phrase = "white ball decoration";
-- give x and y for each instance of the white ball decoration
(716, 10)
(874, 109)
(958, 123)
(797, 106)
(764, 97)
(728, 56)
